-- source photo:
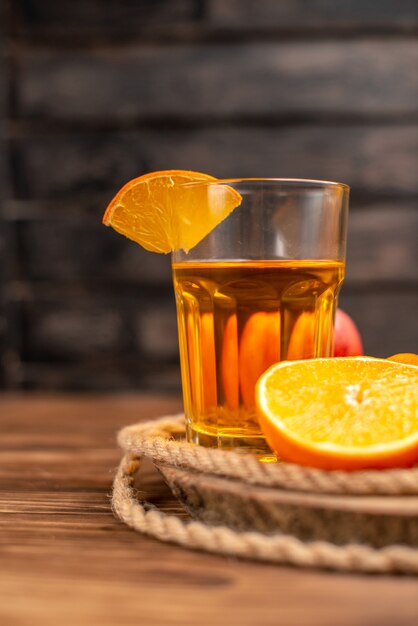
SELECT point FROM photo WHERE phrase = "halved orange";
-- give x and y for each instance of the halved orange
(163, 211)
(341, 413)
(405, 357)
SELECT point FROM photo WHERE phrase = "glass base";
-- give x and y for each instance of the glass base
(234, 441)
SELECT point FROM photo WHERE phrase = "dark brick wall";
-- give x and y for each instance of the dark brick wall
(93, 93)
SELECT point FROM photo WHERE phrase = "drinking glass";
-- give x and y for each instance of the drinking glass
(260, 288)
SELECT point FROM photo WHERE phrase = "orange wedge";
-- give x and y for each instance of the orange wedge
(259, 348)
(229, 363)
(203, 379)
(164, 211)
(405, 357)
(341, 413)
(243, 362)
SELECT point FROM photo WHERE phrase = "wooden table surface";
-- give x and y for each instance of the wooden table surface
(64, 558)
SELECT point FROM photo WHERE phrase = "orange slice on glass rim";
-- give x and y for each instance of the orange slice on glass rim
(166, 211)
(345, 413)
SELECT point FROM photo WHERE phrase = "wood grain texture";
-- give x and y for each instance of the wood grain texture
(64, 558)
(381, 247)
(4, 78)
(376, 159)
(298, 14)
(72, 19)
(182, 19)
(94, 93)
(128, 372)
(201, 81)
(5, 182)
(49, 242)
(382, 244)
(386, 319)
(58, 351)
(4, 23)
(67, 328)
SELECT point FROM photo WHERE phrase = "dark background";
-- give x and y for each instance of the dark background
(94, 93)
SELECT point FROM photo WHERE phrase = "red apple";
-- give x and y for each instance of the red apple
(347, 340)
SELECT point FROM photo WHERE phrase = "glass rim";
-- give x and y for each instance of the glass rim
(285, 182)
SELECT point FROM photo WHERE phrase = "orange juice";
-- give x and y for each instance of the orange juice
(235, 319)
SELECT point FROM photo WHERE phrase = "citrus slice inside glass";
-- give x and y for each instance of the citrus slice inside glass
(168, 210)
(346, 413)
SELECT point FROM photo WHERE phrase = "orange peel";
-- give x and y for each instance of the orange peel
(164, 211)
(346, 413)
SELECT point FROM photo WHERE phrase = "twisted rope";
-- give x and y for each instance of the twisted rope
(154, 439)
(283, 549)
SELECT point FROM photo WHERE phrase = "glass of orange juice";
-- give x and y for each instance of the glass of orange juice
(260, 288)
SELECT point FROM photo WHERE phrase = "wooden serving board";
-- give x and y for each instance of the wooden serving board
(377, 521)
